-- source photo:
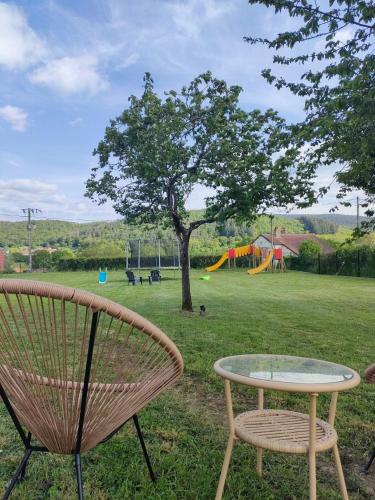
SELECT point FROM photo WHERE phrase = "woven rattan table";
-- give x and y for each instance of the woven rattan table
(282, 430)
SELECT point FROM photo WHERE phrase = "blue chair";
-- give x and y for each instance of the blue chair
(102, 278)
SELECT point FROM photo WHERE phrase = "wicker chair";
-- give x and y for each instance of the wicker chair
(370, 377)
(75, 367)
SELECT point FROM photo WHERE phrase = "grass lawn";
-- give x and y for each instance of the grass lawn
(325, 317)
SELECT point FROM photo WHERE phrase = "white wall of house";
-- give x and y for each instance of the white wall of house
(264, 243)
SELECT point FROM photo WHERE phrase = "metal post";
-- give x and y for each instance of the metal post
(358, 255)
(178, 254)
(139, 255)
(127, 255)
(357, 216)
(159, 253)
(358, 263)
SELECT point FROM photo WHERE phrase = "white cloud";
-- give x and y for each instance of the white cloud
(19, 193)
(16, 194)
(191, 16)
(345, 34)
(20, 46)
(76, 122)
(15, 116)
(70, 74)
(13, 163)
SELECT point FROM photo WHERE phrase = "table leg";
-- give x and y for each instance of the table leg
(312, 445)
(332, 408)
(231, 440)
(259, 450)
(224, 469)
(340, 473)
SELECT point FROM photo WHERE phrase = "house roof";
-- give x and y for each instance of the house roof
(293, 241)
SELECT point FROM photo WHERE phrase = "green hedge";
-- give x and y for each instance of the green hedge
(80, 264)
(91, 264)
(346, 261)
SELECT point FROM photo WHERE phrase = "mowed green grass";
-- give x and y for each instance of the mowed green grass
(324, 317)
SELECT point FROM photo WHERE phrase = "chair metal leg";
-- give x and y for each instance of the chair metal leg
(23, 471)
(141, 440)
(77, 459)
(372, 458)
(16, 476)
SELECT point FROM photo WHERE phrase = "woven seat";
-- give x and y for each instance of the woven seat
(282, 430)
(370, 374)
(74, 367)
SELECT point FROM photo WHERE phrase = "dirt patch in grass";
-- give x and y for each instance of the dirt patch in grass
(209, 405)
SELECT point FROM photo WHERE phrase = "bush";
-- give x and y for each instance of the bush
(308, 250)
(92, 264)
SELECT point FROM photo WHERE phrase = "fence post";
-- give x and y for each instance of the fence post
(318, 263)
(159, 254)
(358, 263)
(336, 262)
(139, 255)
(127, 255)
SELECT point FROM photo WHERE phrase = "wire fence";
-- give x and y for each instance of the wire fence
(158, 253)
(360, 263)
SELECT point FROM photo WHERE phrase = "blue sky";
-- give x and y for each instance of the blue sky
(67, 67)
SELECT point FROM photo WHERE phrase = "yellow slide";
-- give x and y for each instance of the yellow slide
(236, 252)
(263, 265)
(219, 263)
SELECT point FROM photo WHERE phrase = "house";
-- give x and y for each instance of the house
(290, 243)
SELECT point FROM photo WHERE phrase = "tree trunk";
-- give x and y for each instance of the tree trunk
(187, 304)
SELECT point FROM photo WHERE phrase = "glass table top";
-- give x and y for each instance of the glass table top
(286, 369)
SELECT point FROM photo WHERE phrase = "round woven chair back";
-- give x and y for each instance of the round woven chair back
(45, 332)
(370, 374)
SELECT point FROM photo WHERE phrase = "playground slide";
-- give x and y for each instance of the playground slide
(263, 265)
(234, 253)
(219, 263)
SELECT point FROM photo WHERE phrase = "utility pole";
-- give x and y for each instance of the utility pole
(30, 211)
(271, 220)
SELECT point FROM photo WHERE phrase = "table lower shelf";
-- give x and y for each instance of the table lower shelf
(283, 430)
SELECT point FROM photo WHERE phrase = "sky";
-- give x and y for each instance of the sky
(68, 67)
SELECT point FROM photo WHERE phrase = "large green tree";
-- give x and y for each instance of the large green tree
(334, 40)
(159, 149)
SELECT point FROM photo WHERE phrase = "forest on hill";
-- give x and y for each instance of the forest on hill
(55, 233)
(109, 239)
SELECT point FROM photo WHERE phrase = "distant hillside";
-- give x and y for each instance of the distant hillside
(339, 219)
(56, 233)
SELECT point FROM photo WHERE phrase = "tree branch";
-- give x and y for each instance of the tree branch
(327, 14)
